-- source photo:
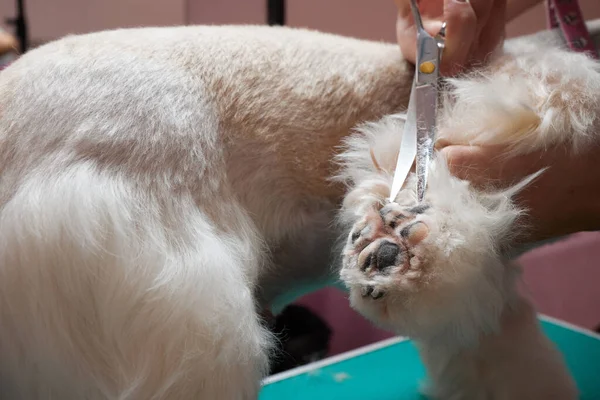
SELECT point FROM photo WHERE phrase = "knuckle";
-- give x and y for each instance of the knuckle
(466, 15)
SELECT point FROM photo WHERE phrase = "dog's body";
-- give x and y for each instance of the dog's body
(159, 187)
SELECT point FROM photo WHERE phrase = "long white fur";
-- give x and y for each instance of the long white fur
(99, 240)
(134, 272)
(528, 98)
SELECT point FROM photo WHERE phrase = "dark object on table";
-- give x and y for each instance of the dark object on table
(303, 337)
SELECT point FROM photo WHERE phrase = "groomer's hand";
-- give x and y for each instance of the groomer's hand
(565, 199)
(474, 29)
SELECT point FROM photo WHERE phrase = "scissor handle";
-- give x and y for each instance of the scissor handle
(428, 60)
(429, 50)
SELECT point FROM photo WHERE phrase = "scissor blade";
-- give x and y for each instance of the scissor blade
(426, 106)
(408, 147)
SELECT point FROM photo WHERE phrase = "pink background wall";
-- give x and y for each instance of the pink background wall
(50, 19)
(361, 18)
(564, 278)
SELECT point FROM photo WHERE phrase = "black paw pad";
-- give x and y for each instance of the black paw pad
(387, 255)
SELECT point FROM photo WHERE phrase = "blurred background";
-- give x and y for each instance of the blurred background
(375, 19)
(563, 277)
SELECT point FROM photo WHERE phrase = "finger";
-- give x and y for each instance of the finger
(483, 12)
(461, 29)
(473, 163)
(486, 166)
(407, 38)
(514, 8)
(403, 7)
(462, 160)
(493, 34)
(406, 31)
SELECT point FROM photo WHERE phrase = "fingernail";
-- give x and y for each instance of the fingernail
(444, 153)
(461, 1)
(441, 143)
(432, 26)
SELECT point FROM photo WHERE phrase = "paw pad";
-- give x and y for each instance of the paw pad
(381, 249)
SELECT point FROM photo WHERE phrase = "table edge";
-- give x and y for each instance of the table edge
(393, 341)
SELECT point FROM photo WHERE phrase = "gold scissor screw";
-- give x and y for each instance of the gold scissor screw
(427, 67)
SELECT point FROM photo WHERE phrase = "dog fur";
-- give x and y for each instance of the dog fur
(159, 187)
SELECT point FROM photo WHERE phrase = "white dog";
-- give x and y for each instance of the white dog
(160, 187)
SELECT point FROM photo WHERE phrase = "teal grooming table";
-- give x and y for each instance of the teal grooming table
(395, 368)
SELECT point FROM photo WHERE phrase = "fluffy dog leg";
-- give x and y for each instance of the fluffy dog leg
(516, 363)
(108, 294)
(435, 272)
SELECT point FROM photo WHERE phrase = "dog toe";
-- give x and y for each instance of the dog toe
(377, 293)
(415, 233)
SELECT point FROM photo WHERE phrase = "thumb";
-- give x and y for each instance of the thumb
(473, 163)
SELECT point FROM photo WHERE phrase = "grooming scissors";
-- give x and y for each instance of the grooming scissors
(420, 127)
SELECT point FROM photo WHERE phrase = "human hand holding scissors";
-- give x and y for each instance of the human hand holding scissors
(475, 28)
(420, 128)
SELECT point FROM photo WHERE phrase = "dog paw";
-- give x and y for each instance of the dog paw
(418, 270)
(388, 250)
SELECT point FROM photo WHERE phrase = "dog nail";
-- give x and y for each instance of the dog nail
(377, 294)
(420, 209)
(366, 291)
